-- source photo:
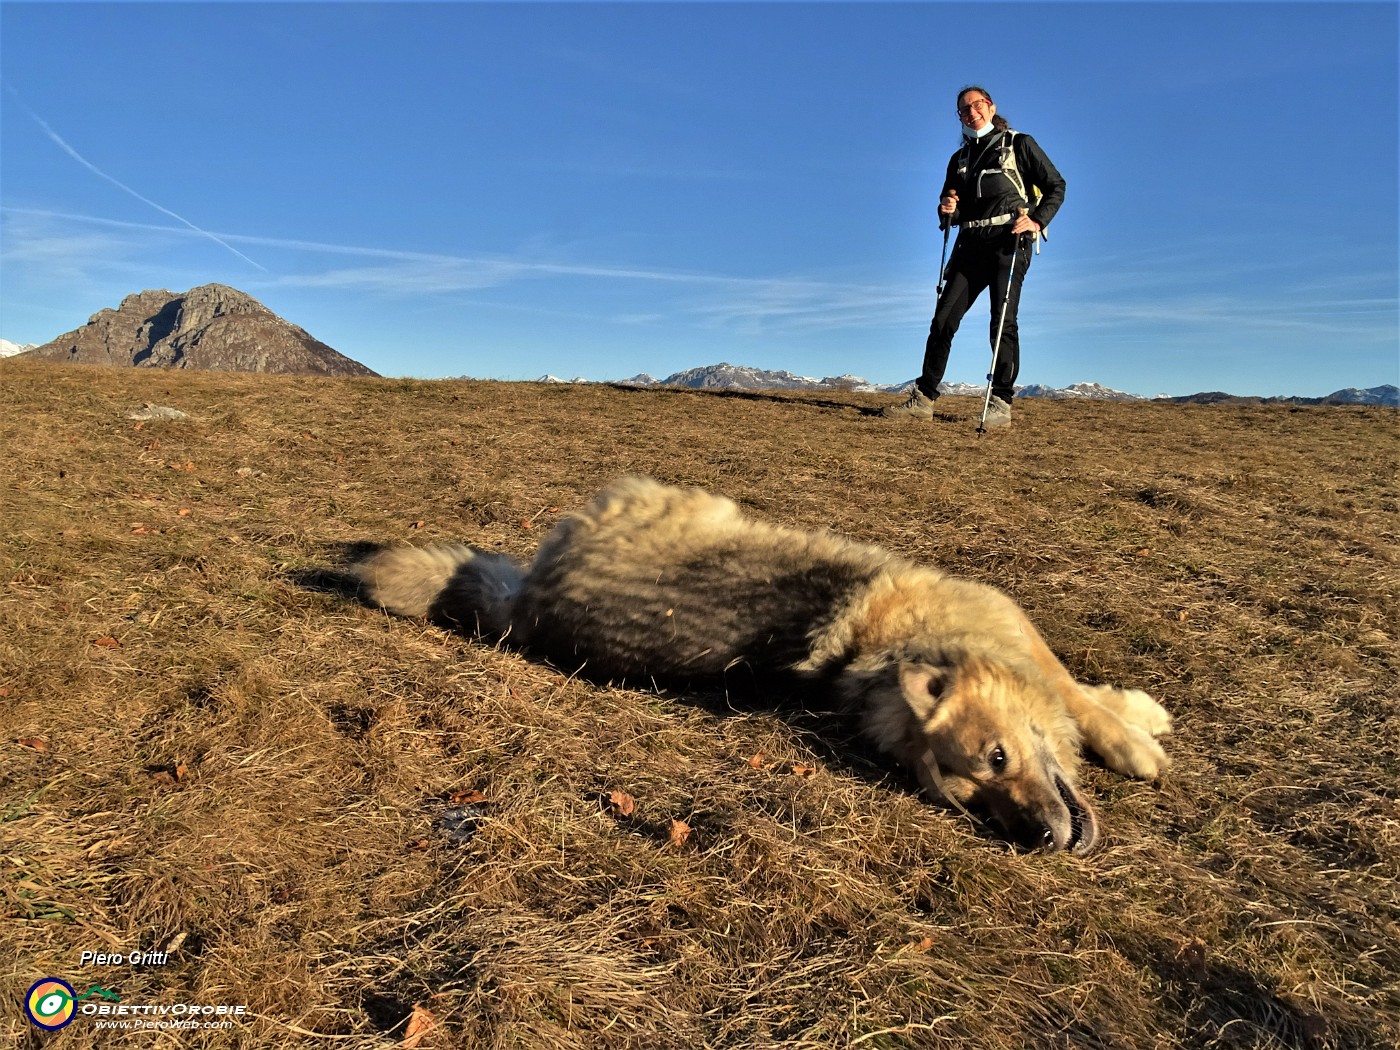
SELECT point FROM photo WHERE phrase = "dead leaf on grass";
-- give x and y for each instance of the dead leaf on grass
(466, 798)
(33, 743)
(758, 760)
(679, 833)
(170, 776)
(420, 1023)
(418, 847)
(803, 771)
(624, 803)
(107, 642)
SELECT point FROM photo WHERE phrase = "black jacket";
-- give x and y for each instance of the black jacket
(974, 172)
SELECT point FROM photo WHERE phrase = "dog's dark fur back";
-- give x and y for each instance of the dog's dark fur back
(698, 615)
(647, 580)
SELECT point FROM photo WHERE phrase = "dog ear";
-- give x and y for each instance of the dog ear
(923, 686)
(899, 696)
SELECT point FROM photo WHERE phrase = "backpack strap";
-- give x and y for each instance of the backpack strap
(1012, 171)
(1009, 167)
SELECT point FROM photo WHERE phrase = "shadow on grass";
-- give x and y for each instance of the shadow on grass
(791, 398)
(794, 398)
(1226, 1005)
(337, 578)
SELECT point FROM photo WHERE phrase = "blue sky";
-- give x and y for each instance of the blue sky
(597, 189)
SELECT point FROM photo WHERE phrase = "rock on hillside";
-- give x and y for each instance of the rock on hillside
(211, 327)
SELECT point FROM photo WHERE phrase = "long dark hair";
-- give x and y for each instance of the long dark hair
(998, 121)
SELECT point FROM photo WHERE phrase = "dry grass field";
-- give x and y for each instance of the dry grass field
(371, 832)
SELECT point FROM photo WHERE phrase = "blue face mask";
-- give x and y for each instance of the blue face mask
(987, 129)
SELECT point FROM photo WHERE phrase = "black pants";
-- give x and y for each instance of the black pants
(977, 264)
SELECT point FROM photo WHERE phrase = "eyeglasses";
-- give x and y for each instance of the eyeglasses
(976, 103)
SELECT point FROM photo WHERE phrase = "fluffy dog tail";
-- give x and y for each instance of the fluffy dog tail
(462, 587)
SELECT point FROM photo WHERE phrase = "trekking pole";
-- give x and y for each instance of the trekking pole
(996, 344)
(946, 222)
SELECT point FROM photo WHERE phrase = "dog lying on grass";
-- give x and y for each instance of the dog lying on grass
(946, 674)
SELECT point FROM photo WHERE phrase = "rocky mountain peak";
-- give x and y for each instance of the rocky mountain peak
(211, 327)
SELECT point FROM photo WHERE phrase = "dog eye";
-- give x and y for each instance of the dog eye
(997, 759)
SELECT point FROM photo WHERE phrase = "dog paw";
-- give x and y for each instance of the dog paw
(1134, 707)
(1122, 725)
(1133, 753)
(1147, 714)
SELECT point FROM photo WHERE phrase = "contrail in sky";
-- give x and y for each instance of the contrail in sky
(58, 141)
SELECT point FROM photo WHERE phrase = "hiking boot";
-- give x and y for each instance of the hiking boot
(918, 404)
(998, 413)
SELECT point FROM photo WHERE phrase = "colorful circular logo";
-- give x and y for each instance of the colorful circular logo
(50, 1003)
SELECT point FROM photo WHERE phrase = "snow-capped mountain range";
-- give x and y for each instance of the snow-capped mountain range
(725, 376)
(9, 349)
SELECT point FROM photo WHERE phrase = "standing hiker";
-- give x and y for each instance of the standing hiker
(999, 188)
